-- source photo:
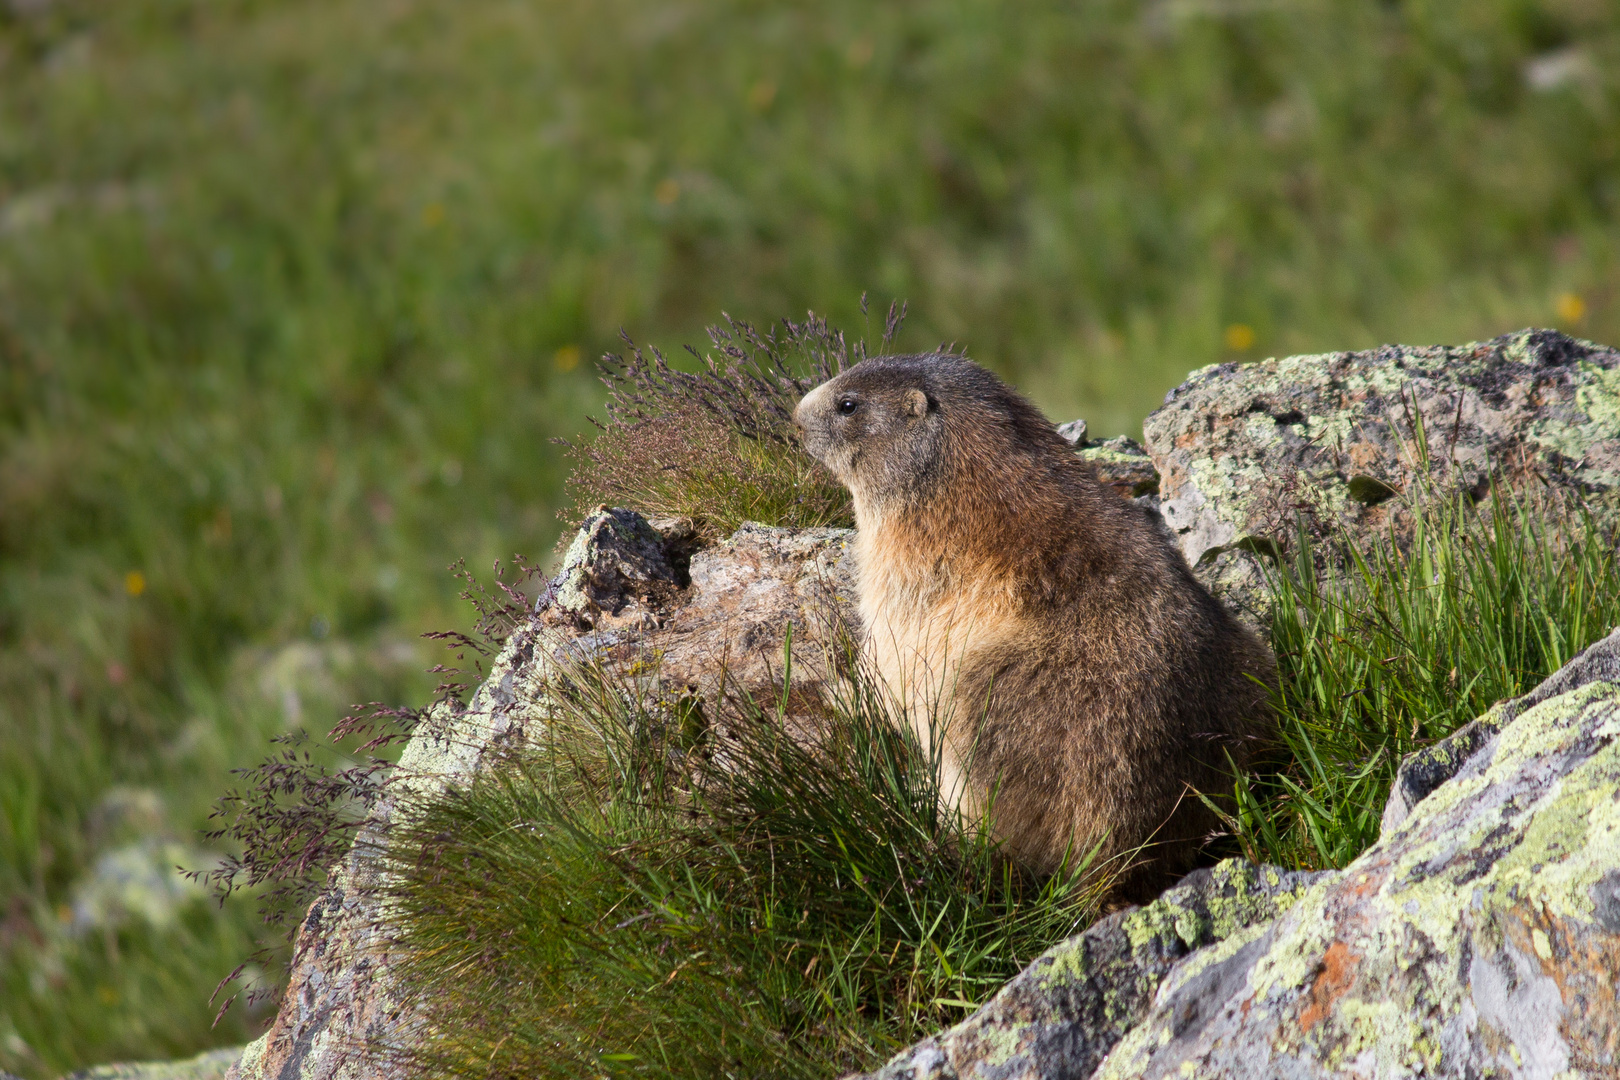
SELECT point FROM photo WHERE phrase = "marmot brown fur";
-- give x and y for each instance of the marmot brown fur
(1045, 628)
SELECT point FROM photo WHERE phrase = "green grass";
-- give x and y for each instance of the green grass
(1407, 643)
(292, 296)
(643, 896)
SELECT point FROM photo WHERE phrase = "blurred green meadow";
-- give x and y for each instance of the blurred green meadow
(293, 296)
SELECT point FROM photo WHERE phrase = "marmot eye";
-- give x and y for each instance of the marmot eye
(848, 405)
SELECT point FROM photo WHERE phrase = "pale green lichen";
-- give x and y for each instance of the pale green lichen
(1227, 485)
(251, 1061)
(209, 1065)
(1414, 923)
(1261, 429)
(1230, 914)
(1598, 401)
(1330, 430)
(1155, 922)
(1217, 953)
(1369, 1025)
(1562, 823)
(1221, 916)
(1065, 964)
(1109, 456)
(1000, 1044)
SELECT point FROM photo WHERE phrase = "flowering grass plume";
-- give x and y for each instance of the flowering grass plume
(717, 445)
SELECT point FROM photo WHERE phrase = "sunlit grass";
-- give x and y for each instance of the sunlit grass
(1408, 642)
(645, 896)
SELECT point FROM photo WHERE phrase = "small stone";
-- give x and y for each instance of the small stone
(1074, 431)
(1123, 465)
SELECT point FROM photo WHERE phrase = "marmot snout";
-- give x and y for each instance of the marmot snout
(1038, 625)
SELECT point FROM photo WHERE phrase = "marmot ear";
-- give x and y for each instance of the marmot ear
(916, 403)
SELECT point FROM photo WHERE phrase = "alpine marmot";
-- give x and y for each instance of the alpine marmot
(1043, 628)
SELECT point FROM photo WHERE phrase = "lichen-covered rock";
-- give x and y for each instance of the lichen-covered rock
(616, 571)
(1237, 577)
(1424, 770)
(338, 1007)
(1242, 450)
(1063, 1013)
(1123, 465)
(1121, 462)
(1479, 937)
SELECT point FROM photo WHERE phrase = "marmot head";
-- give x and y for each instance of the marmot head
(892, 427)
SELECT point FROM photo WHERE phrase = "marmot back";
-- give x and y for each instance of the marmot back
(1042, 626)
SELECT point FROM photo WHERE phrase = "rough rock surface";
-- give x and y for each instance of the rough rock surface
(337, 1002)
(1424, 770)
(1063, 1013)
(1240, 448)
(746, 592)
(1123, 465)
(1479, 937)
(1121, 462)
(337, 1005)
(615, 571)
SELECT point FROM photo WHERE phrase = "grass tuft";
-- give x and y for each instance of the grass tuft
(1408, 642)
(717, 446)
(640, 896)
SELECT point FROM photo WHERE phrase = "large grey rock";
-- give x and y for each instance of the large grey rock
(617, 602)
(1479, 937)
(1424, 770)
(1061, 1015)
(1243, 450)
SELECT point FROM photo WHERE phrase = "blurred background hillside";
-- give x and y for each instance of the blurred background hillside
(294, 294)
